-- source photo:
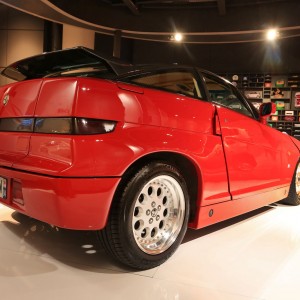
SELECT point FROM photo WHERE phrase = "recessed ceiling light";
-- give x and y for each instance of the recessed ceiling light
(178, 37)
(272, 34)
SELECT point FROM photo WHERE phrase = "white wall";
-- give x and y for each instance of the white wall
(76, 36)
(21, 36)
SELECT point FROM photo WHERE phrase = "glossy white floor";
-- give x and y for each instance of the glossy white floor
(256, 256)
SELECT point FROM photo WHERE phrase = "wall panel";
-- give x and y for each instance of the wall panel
(21, 35)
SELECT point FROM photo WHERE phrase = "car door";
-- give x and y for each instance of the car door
(254, 163)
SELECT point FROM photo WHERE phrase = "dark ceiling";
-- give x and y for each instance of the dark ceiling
(201, 21)
(138, 6)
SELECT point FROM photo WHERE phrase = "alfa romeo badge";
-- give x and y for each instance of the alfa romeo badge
(5, 99)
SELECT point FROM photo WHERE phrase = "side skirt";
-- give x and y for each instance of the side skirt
(211, 214)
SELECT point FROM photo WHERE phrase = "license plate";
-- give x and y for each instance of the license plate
(3, 188)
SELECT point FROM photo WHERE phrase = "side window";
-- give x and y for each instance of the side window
(226, 96)
(182, 82)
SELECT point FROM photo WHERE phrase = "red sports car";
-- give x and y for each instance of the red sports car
(136, 153)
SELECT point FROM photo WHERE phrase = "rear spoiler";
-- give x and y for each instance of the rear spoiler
(48, 63)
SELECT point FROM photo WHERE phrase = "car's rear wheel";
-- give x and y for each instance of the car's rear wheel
(293, 197)
(148, 217)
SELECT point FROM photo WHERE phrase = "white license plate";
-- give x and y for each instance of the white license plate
(3, 188)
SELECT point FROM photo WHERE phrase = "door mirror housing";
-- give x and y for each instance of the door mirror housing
(265, 110)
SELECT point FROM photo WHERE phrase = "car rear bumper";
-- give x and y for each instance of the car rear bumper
(73, 203)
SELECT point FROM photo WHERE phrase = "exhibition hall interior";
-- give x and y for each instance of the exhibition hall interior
(149, 149)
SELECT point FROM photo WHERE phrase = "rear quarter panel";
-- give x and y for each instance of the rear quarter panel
(149, 121)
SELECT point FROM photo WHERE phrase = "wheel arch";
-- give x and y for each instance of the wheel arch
(185, 165)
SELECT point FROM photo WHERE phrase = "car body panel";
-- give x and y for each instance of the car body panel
(56, 98)
(211, 214)
(69, 180)
(250, 148)
(74, 203)
(67, 156)
(21, 102)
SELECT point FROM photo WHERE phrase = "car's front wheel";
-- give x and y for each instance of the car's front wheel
(293, 197)
(148, 217)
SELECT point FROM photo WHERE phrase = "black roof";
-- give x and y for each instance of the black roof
(50, 64)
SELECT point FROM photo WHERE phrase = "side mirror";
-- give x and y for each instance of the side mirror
(265, 110)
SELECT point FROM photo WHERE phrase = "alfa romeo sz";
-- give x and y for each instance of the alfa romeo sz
(136, 153)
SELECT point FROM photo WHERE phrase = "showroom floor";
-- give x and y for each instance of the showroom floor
(256, 256)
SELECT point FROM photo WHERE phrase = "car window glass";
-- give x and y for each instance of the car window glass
(174, 81)
(226, 96)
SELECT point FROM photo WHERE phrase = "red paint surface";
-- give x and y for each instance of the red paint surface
(70, 181)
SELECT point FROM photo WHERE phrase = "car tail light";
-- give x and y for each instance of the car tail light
(78, 126)
(16, 124)
(53, 125)
(61, 125)
(93, 126)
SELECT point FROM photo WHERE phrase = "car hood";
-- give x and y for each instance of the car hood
(49, 63)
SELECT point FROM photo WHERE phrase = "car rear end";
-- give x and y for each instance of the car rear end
(48, 145)
(49, 139)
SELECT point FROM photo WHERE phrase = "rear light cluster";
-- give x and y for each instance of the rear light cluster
(79, 126)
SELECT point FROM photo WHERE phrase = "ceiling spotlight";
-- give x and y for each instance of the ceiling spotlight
(177, 37)
(272, 34)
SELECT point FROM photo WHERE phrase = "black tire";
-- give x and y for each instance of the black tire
(293, 197)
(148, 218)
